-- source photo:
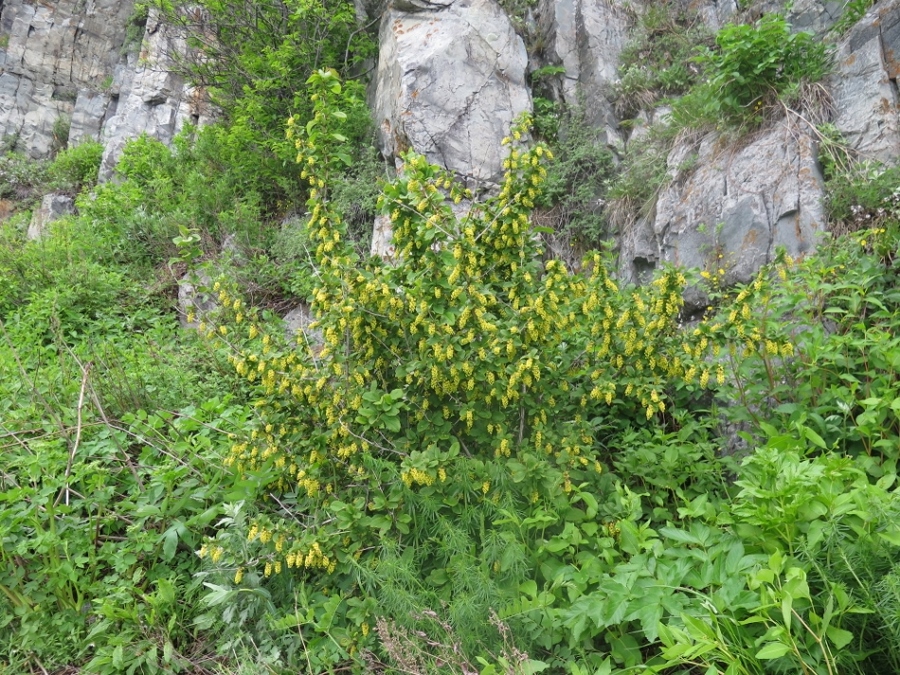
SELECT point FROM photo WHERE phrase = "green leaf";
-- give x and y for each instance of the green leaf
(772, 650)
(529, 588)
(814, 437)
(165, 591)
(170, 544)
(839, 637)
(118, 657)
(679, 535)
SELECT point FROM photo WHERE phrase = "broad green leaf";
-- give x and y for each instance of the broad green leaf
(170, 544)
(772, 650)
(839, 637)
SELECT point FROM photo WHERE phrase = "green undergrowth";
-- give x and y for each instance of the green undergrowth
(25, 180)
(114, 419)
(658, 62)
(479, 460)
(452, 486)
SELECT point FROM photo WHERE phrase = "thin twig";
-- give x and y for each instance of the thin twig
(85, 371)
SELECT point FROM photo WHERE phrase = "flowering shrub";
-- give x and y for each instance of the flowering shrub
(462, 402)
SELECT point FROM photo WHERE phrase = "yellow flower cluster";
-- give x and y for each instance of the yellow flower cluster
(416, 476)
(313, 558)
(488, 344)
(214, 551)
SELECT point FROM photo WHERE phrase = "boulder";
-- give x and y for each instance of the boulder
(53, 207)
(735, 208)
(450, 81)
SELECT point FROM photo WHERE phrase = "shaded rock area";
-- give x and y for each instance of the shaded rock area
(53, 52)
(740, 203)
(450, 81)
(813, 16)
(586, 38)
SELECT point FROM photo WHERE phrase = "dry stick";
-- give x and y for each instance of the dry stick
(85, 371)
(158, 448)
(16, 434)
(96, 400)
(18, 441)
(40, 665)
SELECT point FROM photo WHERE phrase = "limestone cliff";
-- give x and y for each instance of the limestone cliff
(451, 76)
(71, 70)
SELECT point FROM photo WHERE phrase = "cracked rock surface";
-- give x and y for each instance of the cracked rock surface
(737, 207)
(450, 81)
(66, 75)
(864, 84)
(586, 38)
(53, 52)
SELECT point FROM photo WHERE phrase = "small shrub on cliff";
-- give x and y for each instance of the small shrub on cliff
(76, 168)
(253, 58)
(574, 193)
(863, 195)
(749, 69)
(21, 178)
(657, 62)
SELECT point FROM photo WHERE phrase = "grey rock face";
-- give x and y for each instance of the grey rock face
(586, 38)
(864, 85)
(812, 16)
(153, 100)
(53, 207)
(65, 77)
(717, 13)
(450, 81)
(54, 52)
(736, 208)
